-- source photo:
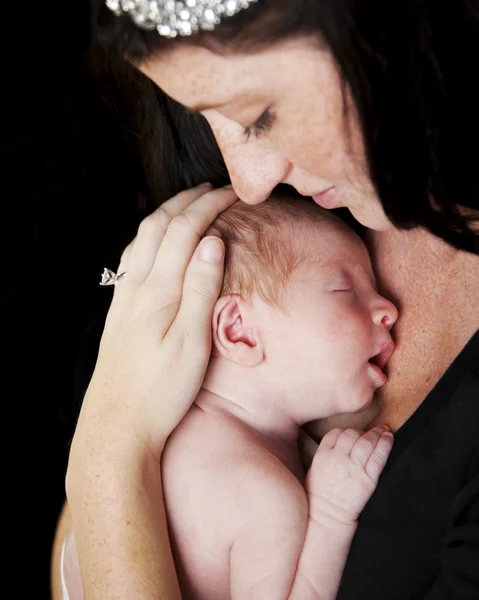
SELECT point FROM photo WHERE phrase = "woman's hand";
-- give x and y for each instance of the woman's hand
(156, 343)
(153, 356)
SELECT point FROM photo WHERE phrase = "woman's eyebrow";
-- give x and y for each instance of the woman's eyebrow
(196, 108)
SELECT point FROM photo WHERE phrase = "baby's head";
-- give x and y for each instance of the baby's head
(299, 314)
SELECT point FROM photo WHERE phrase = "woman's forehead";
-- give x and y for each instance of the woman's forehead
(202, 79)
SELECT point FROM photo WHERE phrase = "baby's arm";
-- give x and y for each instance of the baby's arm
(287, 551)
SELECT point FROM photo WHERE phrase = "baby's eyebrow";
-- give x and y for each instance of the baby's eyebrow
(369, 273)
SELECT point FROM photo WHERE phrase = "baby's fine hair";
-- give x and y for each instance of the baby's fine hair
(265, 246)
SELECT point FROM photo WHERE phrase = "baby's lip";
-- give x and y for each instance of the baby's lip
(380, 359)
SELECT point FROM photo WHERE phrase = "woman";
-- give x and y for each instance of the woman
(362, 105)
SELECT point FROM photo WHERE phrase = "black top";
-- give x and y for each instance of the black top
(418, 537)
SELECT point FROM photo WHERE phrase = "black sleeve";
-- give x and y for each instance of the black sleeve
(459, 576)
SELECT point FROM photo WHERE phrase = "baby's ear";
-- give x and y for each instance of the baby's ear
(234, 337)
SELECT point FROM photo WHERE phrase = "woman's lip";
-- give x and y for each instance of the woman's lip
(329, 198)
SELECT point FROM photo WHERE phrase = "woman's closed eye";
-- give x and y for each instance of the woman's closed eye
(262, 125)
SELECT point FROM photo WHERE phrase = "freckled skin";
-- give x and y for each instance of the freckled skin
(307, 147)
(435, 287)
(436, 290)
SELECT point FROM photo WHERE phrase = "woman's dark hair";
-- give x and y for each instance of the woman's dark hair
(409, 65)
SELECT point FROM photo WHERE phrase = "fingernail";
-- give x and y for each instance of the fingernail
(205, 184)
(228, 187)
(211, 250)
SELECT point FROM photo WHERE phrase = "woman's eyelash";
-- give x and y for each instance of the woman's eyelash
(261, 125)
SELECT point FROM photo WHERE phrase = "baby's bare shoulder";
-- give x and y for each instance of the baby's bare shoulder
(223, 458)
(219, 481)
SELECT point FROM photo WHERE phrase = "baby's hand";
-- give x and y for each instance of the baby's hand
(345, 472)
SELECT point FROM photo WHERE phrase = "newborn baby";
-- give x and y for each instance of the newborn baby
(299, 333)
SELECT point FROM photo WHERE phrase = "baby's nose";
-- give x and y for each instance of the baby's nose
(389, 314)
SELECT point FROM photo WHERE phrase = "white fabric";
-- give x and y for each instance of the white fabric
(65, 595)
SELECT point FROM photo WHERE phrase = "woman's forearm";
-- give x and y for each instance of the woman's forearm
(157, 336)
(120, 526)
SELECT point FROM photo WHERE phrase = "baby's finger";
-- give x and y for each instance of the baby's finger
(379, 457)
(346, 441)
(153, 229)
(202, 286)
(366, 445)
(181, 241)
(328, 442)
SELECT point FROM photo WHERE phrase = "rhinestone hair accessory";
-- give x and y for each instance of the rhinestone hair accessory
(171, 18)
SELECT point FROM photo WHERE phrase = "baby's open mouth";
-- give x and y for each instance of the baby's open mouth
(381, 358)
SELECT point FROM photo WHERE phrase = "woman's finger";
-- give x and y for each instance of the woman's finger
(123, 267)
(125, 258)
(120, 291)
(202, 286)
(181, 241)
(153, 229)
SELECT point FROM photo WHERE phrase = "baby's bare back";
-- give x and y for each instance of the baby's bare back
(218, 475)
(240, 523)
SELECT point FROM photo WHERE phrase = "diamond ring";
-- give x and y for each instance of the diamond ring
(108, 277)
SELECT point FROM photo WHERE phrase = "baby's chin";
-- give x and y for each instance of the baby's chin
(360, 402)
(369, 411)
(364, 417)
(358, 420)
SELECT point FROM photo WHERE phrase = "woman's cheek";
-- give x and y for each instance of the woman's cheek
(311, 146)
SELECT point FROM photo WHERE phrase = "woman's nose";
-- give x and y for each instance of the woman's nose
(385, 313)
(255, 166)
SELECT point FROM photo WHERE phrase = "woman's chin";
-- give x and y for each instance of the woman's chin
(372, 217)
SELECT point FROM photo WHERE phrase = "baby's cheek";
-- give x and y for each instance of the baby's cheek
(349, 331)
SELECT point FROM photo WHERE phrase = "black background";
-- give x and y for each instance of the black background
(70, 176)
(69, 206)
